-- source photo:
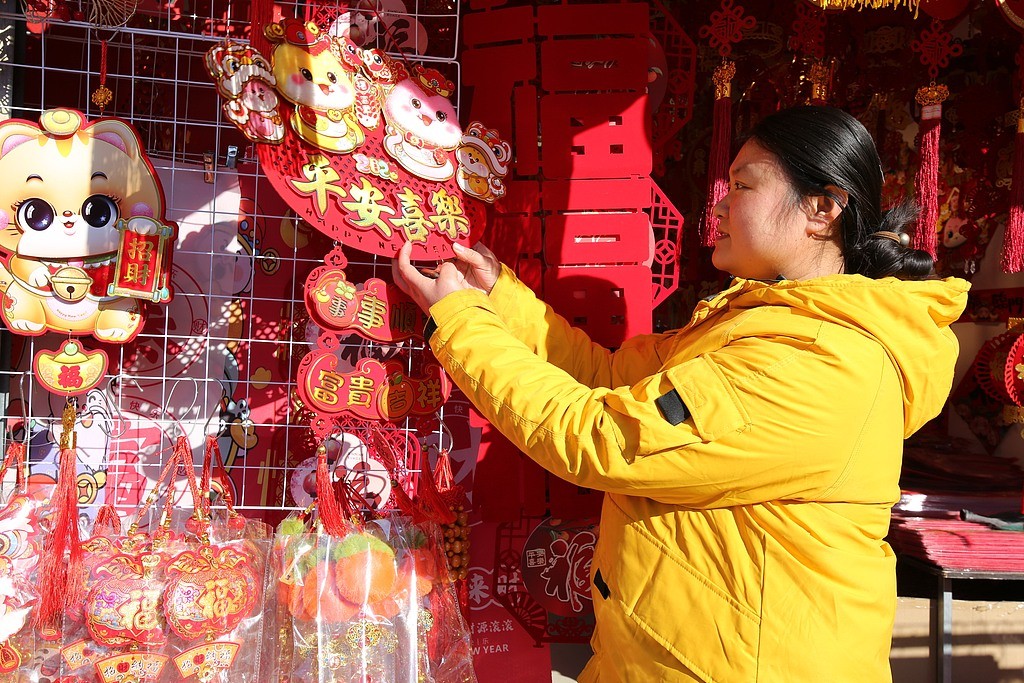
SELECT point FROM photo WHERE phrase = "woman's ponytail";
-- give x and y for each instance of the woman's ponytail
(885, 252)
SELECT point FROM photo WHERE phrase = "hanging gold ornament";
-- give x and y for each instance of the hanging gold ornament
(102, 95)
(867, 4)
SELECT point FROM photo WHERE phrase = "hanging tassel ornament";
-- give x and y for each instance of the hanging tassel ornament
(102, 96)
(808, 42)
(60, 570)
(1012, 260)
(725, 28)
(821, 82)
(718, 160)
(936, 47)
(332, 515)
(456, 532)
(926, 183)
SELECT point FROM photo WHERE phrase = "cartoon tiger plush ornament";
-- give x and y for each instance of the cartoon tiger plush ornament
(66, 184)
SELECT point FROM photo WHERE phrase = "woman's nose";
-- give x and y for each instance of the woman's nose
(720, 208)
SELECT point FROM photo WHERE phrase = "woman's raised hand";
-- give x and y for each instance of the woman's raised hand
(475, 268)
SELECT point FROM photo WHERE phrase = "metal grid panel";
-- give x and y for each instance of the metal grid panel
(221, 357)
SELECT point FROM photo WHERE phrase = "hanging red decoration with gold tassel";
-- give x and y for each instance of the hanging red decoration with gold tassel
(936, 46)
(718, 159)
(1012, 260)
(926, 183)
(808, 41)
(726, 27)
(61, 562)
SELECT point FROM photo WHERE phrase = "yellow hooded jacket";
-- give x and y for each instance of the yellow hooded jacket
(744, 543)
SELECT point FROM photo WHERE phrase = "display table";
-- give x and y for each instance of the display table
(940, 628)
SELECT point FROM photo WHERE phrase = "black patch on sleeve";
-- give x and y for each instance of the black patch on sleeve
(428, 329)
(601, 586)
(672, 407)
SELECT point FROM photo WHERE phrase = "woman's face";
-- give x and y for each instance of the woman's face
(762, 231)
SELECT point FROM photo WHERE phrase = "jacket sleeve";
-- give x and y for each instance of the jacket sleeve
(758, 430)
(554, 340)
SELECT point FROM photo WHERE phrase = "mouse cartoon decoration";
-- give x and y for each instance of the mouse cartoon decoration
(374, 155)
(83, 238)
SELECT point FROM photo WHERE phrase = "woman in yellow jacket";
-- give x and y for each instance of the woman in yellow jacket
(751, 458)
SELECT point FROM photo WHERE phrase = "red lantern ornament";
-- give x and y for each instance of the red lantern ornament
(943, 10)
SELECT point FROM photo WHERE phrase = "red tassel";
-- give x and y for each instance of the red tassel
(451, 493)
(1012, 260)
(926, 184)
(213, 466)
(108, 522)
(261, 14)
(15, 458)
(428, 492)
(60, 568)
(326, 500)
(718, 159)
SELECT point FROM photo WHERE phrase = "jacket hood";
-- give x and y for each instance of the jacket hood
(909, 318)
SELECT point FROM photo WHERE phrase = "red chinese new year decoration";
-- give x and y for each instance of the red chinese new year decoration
(378, 311)
(808, 39)
(372, 391)
(373, 154)
(72, 370)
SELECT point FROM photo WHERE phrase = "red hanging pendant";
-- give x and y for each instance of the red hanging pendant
(102, 95)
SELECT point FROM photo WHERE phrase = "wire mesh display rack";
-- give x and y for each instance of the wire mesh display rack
(220, 358)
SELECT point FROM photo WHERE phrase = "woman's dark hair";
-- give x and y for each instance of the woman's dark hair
(820, 146)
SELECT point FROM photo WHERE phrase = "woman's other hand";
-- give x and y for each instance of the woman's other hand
(471, 269)
(479, 265)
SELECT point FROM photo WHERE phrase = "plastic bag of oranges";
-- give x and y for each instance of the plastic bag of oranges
(366, 596)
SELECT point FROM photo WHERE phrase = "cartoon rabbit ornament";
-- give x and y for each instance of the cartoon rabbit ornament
(82, 229)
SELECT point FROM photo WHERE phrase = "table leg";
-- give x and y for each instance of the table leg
(942, 630)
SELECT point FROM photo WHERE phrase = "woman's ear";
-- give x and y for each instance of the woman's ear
(823, 210)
